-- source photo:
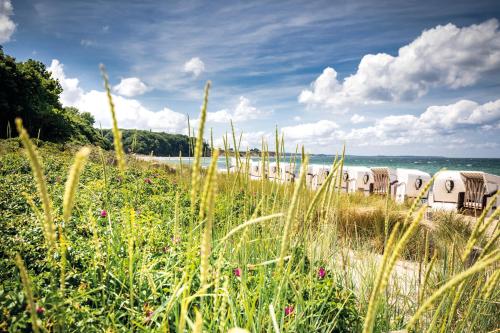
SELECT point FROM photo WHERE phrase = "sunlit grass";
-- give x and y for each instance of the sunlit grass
(199, 250)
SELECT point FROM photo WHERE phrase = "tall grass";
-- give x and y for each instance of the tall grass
(210, 251)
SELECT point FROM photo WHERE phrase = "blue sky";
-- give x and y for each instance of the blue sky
(419, 78)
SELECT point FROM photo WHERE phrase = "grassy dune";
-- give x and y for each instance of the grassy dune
(100, 242)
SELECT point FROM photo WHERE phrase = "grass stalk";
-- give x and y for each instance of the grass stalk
(117, 135)
(73, 180)
(198, 151)
(36, 167)
(29, 293)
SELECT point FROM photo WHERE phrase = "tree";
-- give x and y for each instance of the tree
(28, 91)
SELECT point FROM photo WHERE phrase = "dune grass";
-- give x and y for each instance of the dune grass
(129, 245)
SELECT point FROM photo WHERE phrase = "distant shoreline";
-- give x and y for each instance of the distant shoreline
(430, 165)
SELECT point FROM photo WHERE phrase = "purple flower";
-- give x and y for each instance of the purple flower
(147, 180)
(237, 272)
(40, 310)
(104, 213)
(148, 314)
(321, 272)
(288, 310)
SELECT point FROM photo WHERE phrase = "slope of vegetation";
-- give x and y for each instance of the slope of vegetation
(28, 91)
(156, 143)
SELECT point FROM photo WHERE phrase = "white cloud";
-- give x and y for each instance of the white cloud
(130, 112)
(356, 118)
(319, 130)
(297, 118)
(87, 42)
(254, 140)
(242, 112)
(131, 86)
(7, 26)
(195, 66)
(435, 124)
(72, 92)
(445, 56)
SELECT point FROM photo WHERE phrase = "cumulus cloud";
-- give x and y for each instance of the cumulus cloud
(356, 119)
(445, 56)
(436, 122)
(7, 26)
(194, 66)
(131, 86)
(321, 133)
(130, 112)
(242, 112)
(72, 92)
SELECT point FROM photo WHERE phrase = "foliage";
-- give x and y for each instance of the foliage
(28, 91)
(156, 143)
(96, 292)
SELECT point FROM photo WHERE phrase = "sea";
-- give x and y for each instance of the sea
(430, 164)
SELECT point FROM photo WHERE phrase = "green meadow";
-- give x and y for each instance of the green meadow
(96, 240)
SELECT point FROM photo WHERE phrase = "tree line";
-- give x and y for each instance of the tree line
(28, 91)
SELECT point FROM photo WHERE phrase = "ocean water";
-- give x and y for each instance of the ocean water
(428, 164)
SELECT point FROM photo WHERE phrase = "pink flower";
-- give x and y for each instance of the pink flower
(288, 310)
(176, 239)
(40, 310)
(321, 272)
(147, 180)
(148, 313)
(104, 213)
(237, 272)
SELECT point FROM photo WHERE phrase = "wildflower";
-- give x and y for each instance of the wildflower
(237, 272)
(104, 213)
(40, 310)
(321, 272)
(149, 314)
(147, 180)
(176, 239)
(288, 310)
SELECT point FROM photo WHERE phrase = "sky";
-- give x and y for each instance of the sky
(381, 77)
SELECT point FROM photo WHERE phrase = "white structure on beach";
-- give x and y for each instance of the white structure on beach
(383, 176)
(316, 175)
(357, 179)
(273, 172)
(464, 190)
(233, 164)
(410, 183)
(285, 172)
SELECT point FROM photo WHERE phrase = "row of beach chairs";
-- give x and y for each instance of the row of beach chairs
(451, 190)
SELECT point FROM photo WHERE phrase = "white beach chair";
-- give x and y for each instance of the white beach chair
(357, 179)
(464, 191)
(383, 176)
(410, 183)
